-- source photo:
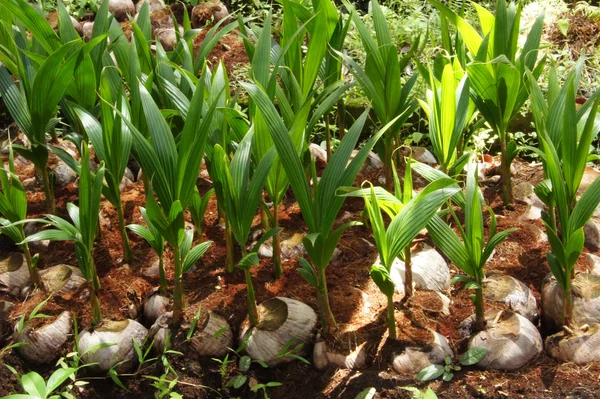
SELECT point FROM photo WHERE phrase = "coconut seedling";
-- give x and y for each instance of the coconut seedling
(82, 231)
(198, 207)
(320, 203)
(409, 216)
(302, 103)
(278, 320)
(111, 141)
(511, 339)
(381, 81)
(497, 72)
(172, 168)
(565, 135)
(13, 209)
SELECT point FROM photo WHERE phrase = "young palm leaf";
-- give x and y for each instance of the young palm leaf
(472, 253)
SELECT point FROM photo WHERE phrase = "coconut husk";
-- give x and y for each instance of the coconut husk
(121, 334)
(580, 346)
(204, 13)
(415, 359)
(586, 301)
(513, 293)
(213, 336)
(281, 320)
(353, 361)
(14, 275)
(44, 344)
(511, 339)
(155, 306)
(63, 279)
(5, 309)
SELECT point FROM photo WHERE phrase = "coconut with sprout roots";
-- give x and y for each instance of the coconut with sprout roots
(585, 290)
(121, 335)
(577, 346)
(43, 344)
(513, 293)
(281, 321)
(512, 340)
(155, 305)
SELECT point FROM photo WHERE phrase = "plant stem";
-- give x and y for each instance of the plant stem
(328, 136)
(96, 312)
(162, 277)
(229, 246)
(48, 191)
(387, 161)
(33, 271)
(479, 311)
(276, 244)
(505, 170)
(327, 319)
(341, 109)
(408, 277)
(178, 300)
(124, 238)
(568, 300)
(251, 299)
(391, 318)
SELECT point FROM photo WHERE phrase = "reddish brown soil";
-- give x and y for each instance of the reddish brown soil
(358, 305)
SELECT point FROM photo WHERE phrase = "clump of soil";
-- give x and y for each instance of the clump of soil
(583, 34)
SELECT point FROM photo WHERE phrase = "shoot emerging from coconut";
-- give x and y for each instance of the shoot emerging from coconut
(471, 254)
(409, 216)
(320, 203)
(13, 209)
(241, 198)
(565, 135)
(82, 230)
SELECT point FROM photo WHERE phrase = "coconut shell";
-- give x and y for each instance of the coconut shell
(583, 346)
(281, 320)
(14, 275)
(586, 301)
(415, 359)
(213, 337)
(62, 279)
(513, 293)
(155, 306)
(45, 343)
(121, 334)
(511, 339)
(429, 269)
(204, 13)
(159, 332)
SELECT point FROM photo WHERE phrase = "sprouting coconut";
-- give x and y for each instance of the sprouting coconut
(14, 275)
(415, 359)
(579, 347)
(511, 339)
(513, 293)
(44, 343)
(570, 298)
(585, 291)
(281, 322)
(119, 333)
(62, 278)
